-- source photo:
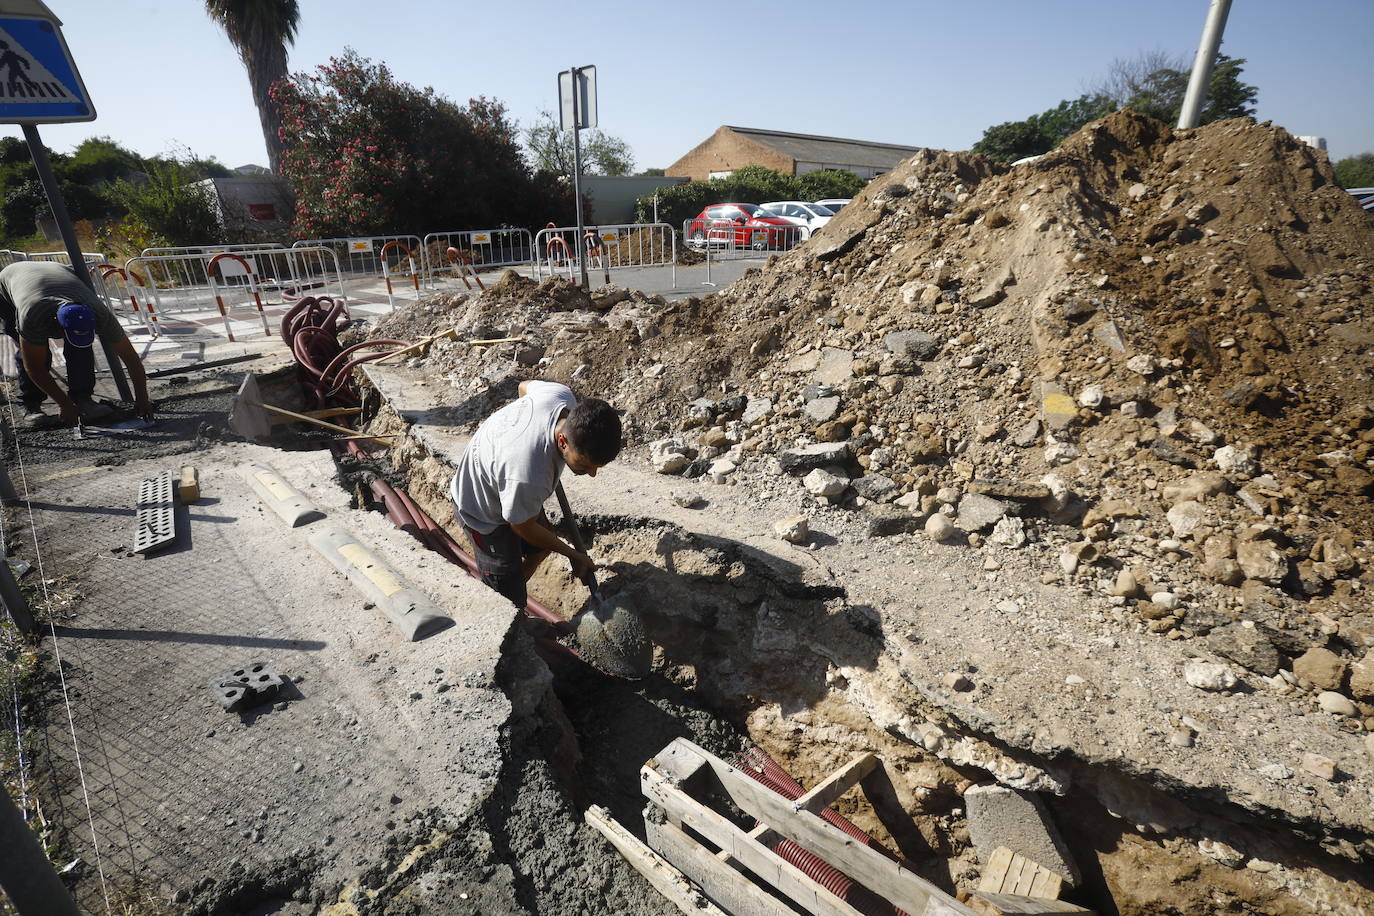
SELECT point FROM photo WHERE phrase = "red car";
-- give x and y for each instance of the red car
(751, 227)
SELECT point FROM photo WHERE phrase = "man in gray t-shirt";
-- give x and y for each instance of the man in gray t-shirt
(510, 469)
(42, 300)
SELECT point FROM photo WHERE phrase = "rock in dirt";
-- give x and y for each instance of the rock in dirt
(810, 457)
(1246, 646)
(1018, 820)
(1335, 703)
(1322, 668)
(978, 512)
(1319, 766)
(825, 483)
(1209, 675)
(940, 529)
(885, 521)
(794, 529)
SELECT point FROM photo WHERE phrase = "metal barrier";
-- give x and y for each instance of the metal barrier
(209, 249)
(130, 284)
(607, 248)
(361, 257)
(181, 284)
(92, 258)
(478, 248)
(386, 269)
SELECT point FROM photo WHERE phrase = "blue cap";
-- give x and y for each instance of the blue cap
(78, 323)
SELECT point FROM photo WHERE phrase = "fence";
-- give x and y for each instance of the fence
(191, 282)
(478, 248)
(606, 248)
(724, 239)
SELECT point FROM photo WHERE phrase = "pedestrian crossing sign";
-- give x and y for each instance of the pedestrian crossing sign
(38, 80)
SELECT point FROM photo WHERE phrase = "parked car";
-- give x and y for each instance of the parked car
(752, 228)
(809, 216)
(833, 204)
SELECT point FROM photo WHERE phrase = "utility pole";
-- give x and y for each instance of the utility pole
(1203, 63)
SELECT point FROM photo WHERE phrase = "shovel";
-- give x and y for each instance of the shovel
(610, 634)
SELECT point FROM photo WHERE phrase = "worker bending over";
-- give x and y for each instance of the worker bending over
(43, 300)
(510, 469)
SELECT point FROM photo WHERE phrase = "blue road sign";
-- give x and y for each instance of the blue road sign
(38, 81)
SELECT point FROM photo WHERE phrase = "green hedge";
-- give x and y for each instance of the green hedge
(751, 185)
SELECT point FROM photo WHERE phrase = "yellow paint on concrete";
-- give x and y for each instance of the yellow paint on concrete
(72, 472)
(370, 566)
(1058, 403)
(352, 891)
(275, 486)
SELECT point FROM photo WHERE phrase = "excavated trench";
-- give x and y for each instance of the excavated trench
(748, 653)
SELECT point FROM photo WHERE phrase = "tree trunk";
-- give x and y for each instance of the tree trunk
(265, 67)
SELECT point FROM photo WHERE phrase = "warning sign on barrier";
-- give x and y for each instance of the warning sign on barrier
(38, 80)
(481, 238)
(359, 245)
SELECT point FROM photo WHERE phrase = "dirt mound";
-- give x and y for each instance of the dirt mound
(1147, 348)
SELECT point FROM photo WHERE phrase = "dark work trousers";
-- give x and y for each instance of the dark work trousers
(500, 558)
(80, 373)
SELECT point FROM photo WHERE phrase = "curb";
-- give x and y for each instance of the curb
(409, 610)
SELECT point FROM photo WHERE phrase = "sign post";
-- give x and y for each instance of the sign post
(576, 110)
(39, 84)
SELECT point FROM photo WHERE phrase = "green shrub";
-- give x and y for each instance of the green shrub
(170, 208)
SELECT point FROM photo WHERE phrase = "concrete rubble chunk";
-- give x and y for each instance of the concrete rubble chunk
(668, 456)
(794, 529)
(822, 410)
(1248, 647)
(877, 487)
(756, 410)
(1232, 460)
(1009, 531)
(1318, 766)
(1262, 561)
(1022, 490)
(825, 483)
(915, 344)
(887, 520)
(1323, 668)
(810, 457)
(836, 366)
(1362, 679)
(1209, 675)
(1185, 517)
(1020, 821)
(978, 512)
(1027, 434)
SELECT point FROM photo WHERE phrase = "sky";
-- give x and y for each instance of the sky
(934, 73)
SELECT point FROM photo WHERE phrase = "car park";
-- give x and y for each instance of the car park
(809, 216)
(833, 204)
(750, 228)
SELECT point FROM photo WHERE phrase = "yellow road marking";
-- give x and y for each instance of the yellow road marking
(370, 566)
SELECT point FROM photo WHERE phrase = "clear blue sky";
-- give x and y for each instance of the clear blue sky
(163, 76)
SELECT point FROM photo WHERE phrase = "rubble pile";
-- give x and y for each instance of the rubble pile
(1141, 362)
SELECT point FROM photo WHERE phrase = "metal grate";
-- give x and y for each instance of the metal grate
(154, 526)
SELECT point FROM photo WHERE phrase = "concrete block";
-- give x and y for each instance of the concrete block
(412, 612)
(280, 496)
(998, 816)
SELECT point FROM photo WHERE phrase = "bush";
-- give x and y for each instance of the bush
(169, 208)
(751, 184)
(369, 155)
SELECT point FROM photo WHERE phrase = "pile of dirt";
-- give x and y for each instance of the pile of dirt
(1145, 353)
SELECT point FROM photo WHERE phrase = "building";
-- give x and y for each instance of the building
(613, 199)
(731, 148)
(252, 209)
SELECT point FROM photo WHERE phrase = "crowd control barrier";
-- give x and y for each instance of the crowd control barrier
(606, 248)
(478, 249)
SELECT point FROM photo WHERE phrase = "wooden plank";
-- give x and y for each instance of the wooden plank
(188, 487)
(763, 862)
(320, 414)
(989, 904)
(666, 879)
(733, 891)
(1010, 873)
(338, 429)
(825, 793)
(888, 878)
(893, 815)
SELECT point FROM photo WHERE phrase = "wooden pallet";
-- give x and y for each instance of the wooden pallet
(743, 876)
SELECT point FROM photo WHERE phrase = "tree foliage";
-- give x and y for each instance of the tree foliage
(1356, 171)
(261, 30)
(751, 184)
(370, 155)
(169, 208)
(1151, 83)
(85, 177)
(550, 149)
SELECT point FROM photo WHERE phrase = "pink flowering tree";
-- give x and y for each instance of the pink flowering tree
(369, 155)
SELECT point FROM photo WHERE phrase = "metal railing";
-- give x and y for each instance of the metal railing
(726, 239)
(365, 257)
(477, 248)
(606, 248)
(209, 249)
(188, 283)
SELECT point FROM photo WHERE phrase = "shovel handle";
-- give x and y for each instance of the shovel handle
(589, 579)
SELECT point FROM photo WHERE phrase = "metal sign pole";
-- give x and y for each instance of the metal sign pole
(25, 873)
(68, 231)
(1203, 63)
(578, 114)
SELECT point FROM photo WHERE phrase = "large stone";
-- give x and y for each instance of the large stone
(1023, 490)
(822, 410)
(1018, 820)
(1010, 531)
(794, 529)
(885, 521)
(978, 512)
(668, 456)
(940, 529)
(836, 366)
(1323, 668)
(1362, 679)
(809, 457)
(825, 483)
(1209, 675)
(1223, 570)
(1197, 488)
(1262, 561)
(1232, 460)
(876, 487)
(1248, 647)
(915, 344)
(757, 409)
(1027, 434)
(1335, 703)
(1185, 517)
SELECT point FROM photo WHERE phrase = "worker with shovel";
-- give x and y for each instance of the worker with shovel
(42, 300)
(511, 467)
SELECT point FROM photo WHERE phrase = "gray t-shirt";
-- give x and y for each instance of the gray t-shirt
(512, 463)
(31, 292)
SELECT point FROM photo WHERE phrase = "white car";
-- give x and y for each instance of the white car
(798, 213)
(833, 204)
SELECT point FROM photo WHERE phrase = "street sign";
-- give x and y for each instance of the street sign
(38, 80)
(586, 98)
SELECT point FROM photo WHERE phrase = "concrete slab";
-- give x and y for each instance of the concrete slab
(998, 816)
(372, 737)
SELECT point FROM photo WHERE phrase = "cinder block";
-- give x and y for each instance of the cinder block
(247, 685)
(998, 816)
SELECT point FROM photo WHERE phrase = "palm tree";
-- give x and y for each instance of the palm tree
(260, 31)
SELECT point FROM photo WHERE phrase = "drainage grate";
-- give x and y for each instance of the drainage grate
(155, 525)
